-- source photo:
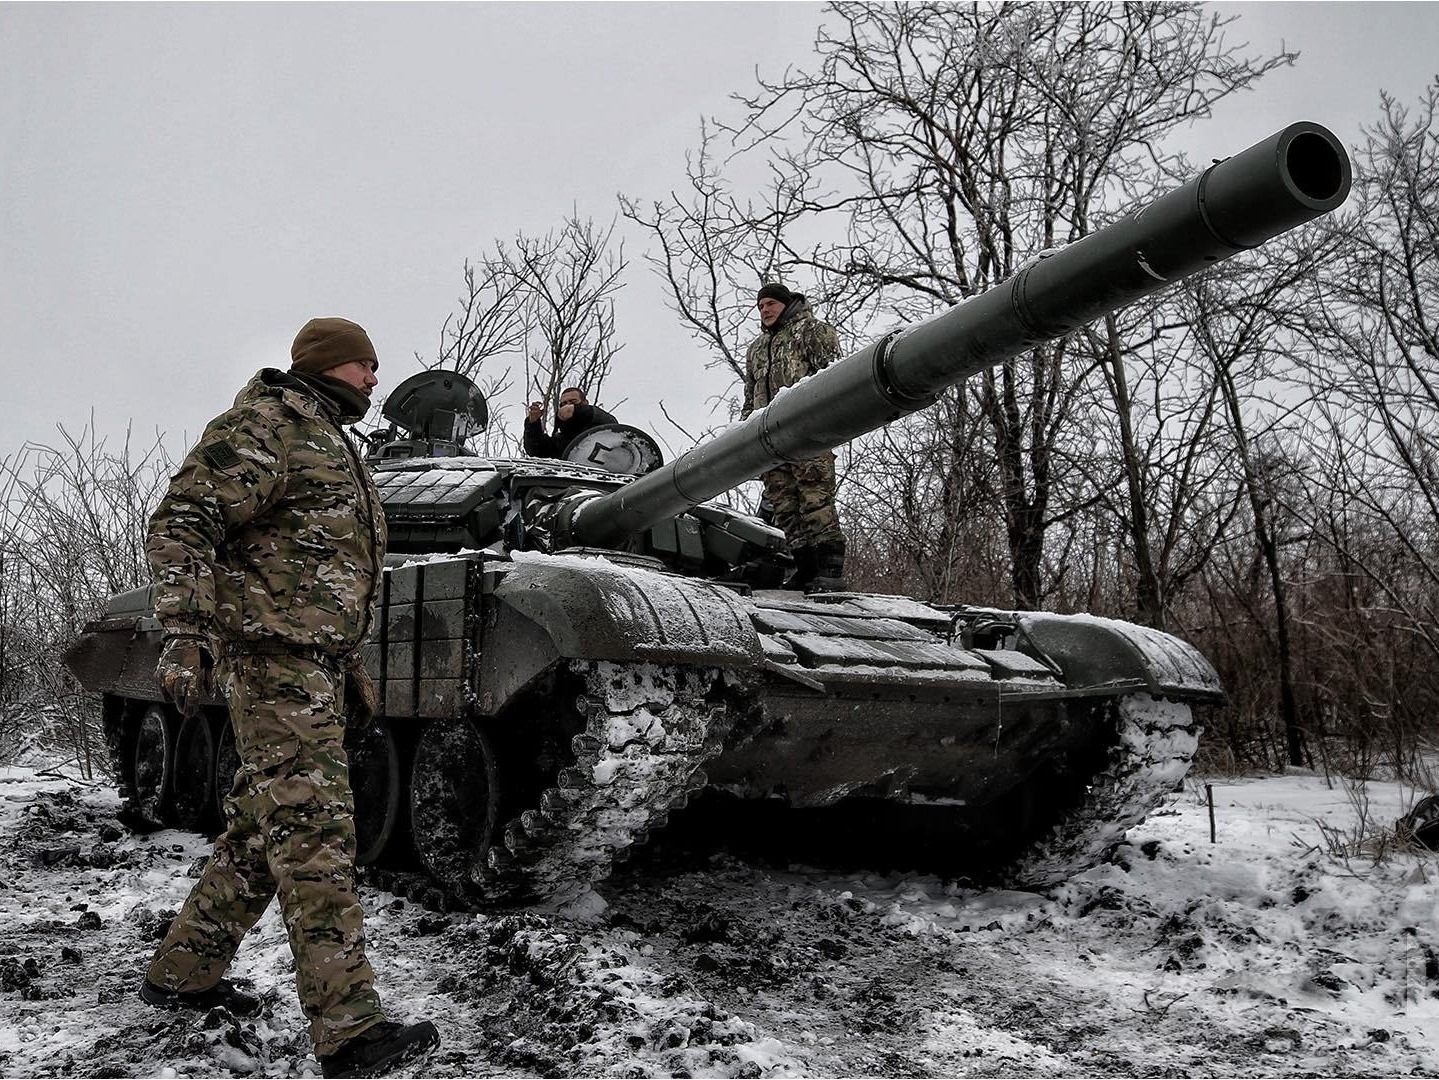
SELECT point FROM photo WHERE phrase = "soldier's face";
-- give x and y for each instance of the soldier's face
(567, 405)
(358, 373)
(770, 309)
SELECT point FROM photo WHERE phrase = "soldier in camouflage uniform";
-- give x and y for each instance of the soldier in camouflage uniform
(267, 551)
(793, 344)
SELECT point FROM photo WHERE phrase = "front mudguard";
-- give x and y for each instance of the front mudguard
(117, 656)
(1096, 653)
(549, 609)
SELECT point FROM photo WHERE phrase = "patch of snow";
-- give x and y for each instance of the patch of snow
(1275, 951)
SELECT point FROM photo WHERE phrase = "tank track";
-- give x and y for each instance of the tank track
(567, 852)
(1154, 744)
(648, 731)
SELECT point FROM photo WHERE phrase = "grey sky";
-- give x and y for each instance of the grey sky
(183, 186)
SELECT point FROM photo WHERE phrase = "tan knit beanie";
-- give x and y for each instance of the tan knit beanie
(325, 343)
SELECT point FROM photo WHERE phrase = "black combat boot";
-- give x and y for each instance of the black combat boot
(829, 568)
(804, 568)
(223, 995)
(380, 1050)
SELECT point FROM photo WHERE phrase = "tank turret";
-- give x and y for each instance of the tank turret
(566, 655)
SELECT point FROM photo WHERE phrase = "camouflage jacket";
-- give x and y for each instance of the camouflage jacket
(797, 345)
(271, 531)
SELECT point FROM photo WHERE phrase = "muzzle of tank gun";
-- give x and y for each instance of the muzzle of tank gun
(1279, 183)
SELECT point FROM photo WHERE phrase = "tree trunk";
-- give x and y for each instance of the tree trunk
(1269, 549)
(1148, 592)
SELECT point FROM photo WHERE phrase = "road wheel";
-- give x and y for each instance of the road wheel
(193, 797)
(375, 779)
(454, 801)
(152, 764)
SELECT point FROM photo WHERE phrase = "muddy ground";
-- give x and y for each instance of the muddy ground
(1266, 954)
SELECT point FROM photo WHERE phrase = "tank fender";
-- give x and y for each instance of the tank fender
(117, 656)
(516, 651)
(561, 607)
(1093, 651)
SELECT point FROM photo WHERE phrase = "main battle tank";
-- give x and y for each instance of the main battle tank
(566, 655)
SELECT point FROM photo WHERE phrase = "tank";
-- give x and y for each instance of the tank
(567, 655)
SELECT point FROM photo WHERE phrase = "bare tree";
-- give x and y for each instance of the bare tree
(486, 327)
(711, 255)
(488, 322)
(569, 278)
(546, 303)
(1373, 392)
(946, 145)
(1246, 320)
(1376, 369)
(72, 522)
(919, 509)
(1156, 463)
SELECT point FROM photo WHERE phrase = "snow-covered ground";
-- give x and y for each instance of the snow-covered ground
(1268, 953)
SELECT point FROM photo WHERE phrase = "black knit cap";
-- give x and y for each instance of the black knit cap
(774, 291)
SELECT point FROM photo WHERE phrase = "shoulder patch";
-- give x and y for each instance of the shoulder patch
(220, 455)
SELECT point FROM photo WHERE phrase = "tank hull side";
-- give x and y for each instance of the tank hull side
(905, 744)
(875, 697)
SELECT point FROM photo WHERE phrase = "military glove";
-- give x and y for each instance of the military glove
(186, 671)
(362, 700)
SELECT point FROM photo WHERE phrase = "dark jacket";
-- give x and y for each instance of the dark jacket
(538, 444)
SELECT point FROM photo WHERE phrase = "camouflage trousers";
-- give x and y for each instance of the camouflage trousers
(290, 830)
(802, 494)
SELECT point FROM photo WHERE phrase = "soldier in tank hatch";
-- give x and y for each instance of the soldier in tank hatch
(267, 552)
(792, 344)
(574, 415)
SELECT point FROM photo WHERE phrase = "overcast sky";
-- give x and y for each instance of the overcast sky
(184, 185)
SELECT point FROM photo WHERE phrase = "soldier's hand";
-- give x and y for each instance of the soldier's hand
(534, 412)
(565, 411)
(186, 671)
(362, 700)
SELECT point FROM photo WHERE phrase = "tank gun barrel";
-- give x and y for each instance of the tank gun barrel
(1279, 183)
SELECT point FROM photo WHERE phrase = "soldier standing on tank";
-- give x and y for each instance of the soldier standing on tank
(793, 344)
(574, 415)
(267, 550)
